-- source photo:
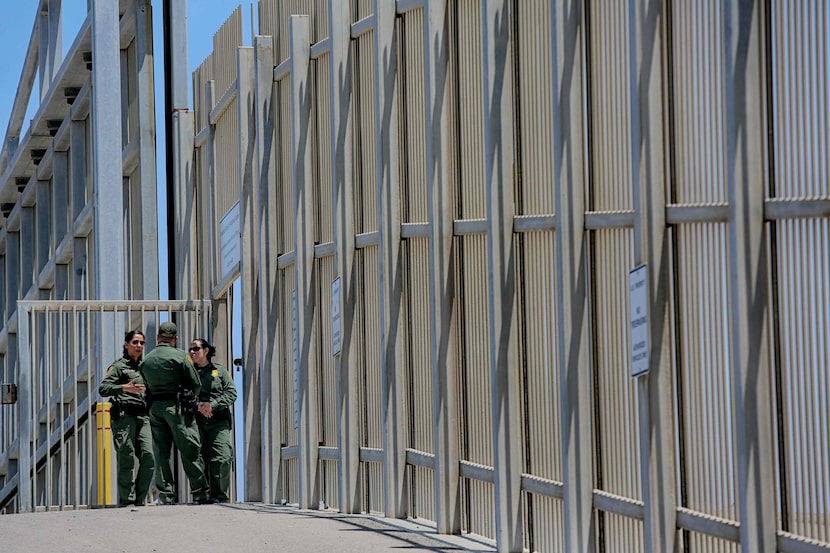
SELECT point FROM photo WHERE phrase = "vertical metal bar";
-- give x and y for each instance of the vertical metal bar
(265, 244)
(342, 106)
(569, 123)
(43, 226)
(46, 367)
(107, 147)
(77, 178)
(397, 419)
(176, 100)
(59, 197)
(24, 446)
(211, 271)
(50, 49)
(38, 401)
(249, 272)
(146, 106)
(442, 289)
(505, 393)
(74, 356)
(12, 272)
(304, 273)
(27, 245)
(182, 145)
(655, 389)
(746, 154)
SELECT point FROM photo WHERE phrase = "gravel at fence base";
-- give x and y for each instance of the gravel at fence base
(249, 528)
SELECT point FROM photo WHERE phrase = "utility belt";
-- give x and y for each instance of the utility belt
(186, 400)
(117, 410)
(165, 396)
(221, 415)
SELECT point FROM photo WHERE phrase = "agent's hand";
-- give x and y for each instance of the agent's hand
(205, 409)
(132, 388)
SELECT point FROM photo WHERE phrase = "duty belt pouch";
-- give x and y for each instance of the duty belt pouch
(115, 411)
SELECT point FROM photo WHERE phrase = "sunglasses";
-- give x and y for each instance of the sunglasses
(137, 343)
(195, 348)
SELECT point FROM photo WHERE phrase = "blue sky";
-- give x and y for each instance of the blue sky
(204, 19)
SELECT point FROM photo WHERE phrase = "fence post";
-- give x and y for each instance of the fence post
(24, 413)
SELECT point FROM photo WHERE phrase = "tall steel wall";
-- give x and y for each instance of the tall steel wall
(78, 223)
(454, 192)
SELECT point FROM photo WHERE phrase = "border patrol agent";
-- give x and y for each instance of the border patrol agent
(130, 424)
(170, 378)
(214, 418)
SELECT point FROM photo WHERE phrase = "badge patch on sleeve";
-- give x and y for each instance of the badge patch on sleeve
(215, 373)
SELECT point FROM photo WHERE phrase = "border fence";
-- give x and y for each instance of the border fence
(439, 205)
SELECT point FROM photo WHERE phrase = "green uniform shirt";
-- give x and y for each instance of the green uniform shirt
(166, 368)
(121, 372)
(217, 386)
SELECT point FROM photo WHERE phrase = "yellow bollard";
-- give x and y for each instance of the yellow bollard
(104, 434)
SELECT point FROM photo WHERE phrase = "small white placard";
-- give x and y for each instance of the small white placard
(230, 234)
(638, 302)
(336, 329)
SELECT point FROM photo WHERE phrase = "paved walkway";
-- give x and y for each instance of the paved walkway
(248, 528)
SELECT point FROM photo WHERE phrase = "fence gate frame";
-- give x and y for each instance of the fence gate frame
(192, 317)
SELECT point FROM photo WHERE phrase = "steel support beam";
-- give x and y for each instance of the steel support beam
(147, 225)
(266, 243)
(106, 154)
(348, 385)
(305, 276)
(249, 272)
(569, 126)
(444, 331)
(746, 173)
(655, 390)
(393, 323)
(503, 307)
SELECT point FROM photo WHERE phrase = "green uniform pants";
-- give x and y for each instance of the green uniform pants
(132, 439)
(171, 428)
(217, 452)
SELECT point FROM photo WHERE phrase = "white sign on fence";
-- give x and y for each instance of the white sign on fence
(230, 233)
(638, 302)
(336, 325)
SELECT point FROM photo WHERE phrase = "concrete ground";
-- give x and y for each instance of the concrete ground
(248, 528)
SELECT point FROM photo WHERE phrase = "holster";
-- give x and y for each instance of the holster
(186, 402)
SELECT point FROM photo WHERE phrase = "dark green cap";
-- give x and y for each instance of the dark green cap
(168, 330)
